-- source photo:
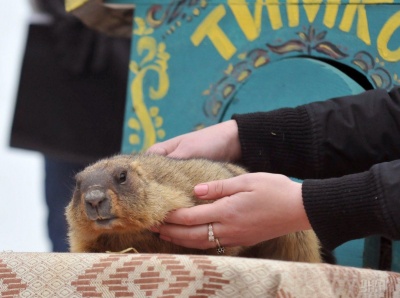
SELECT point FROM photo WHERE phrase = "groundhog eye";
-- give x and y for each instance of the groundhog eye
(122, 177)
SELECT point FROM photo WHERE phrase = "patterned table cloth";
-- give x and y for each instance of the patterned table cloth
(160, 275)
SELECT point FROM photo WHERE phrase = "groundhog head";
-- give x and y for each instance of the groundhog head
(119, 194)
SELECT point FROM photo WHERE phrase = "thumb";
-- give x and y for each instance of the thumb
(167, 148)
(157, 149)
(164, 148)
(220, 188)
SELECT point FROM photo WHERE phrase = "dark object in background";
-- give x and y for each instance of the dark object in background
(70, 103)
(71, 95)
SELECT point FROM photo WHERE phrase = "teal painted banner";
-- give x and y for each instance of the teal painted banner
(196, 62)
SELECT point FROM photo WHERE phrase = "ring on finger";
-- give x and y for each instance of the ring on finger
(211, 237)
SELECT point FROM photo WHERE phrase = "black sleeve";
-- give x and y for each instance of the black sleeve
(323, 139)
(355, 138)
(355, 206)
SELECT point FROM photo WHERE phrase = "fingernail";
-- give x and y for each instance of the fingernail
(160, 151)
(154, 229)
(201, 189)
(165, 238)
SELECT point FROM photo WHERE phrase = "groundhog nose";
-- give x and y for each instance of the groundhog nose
(95, 197)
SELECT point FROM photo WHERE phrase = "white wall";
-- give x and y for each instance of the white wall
(22, 210)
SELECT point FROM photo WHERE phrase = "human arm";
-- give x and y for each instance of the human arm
(355, 206)
(247, 210)
(318, 140)
(323, 139)
(353, 134)
(256, 207)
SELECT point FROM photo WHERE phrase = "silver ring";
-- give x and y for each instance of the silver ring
(220, 249)
(211, 237)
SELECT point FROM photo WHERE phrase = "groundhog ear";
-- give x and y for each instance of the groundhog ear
(76, 196)
(78, 180)
(78, 177)
(137, 168)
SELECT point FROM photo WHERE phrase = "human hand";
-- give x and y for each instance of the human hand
(108, 20)
(248, 209)
(217, 142)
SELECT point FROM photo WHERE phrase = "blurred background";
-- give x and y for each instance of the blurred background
(22, 207)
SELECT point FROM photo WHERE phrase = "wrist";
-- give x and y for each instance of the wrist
(301, 221)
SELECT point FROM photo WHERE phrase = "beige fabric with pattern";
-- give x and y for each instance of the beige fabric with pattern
(157, 275)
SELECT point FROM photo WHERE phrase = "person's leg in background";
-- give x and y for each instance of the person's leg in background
(59, 185)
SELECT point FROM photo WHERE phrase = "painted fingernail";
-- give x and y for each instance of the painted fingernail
(154, 229)
(165, 238)
(201, 189)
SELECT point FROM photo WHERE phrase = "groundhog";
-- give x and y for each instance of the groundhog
(117, 200)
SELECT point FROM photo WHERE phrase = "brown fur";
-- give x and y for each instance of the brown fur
(154, 186)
